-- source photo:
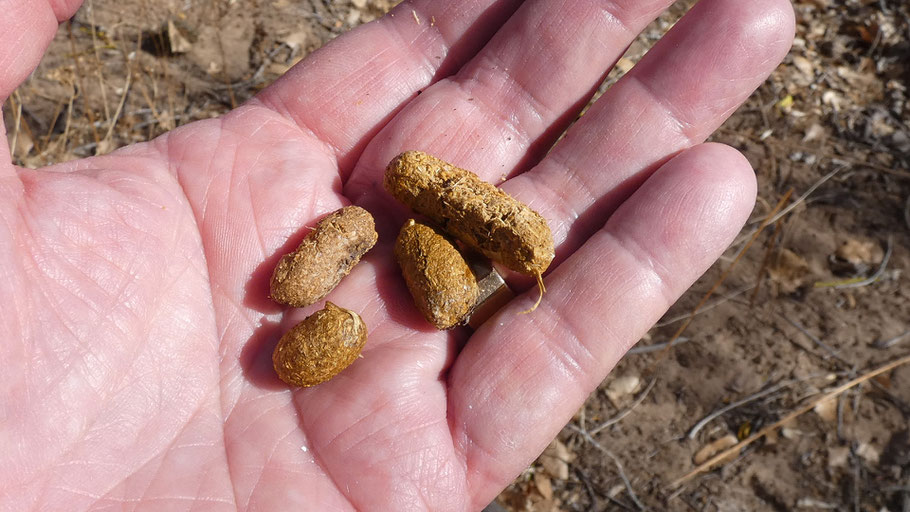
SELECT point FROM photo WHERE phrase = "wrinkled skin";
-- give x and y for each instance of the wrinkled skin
(136, 333)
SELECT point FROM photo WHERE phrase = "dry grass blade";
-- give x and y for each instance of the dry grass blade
(654, 347)
(616, 462)
(772, 244)
(109, 136)
(776, 214)
(81, 79)
(882, 344)
(789, 417)
(722, 300)
(16, 103)
(619, 417)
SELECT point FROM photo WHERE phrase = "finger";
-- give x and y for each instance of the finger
(26, 29)
(682, 90)
(346, 91)
(521, 377)
(507, 105)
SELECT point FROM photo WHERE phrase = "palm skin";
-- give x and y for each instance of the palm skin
(137, 329)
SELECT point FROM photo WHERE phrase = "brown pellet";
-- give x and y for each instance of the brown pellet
(472, 210)
(326, 255)
(319, 347)
(440, 281)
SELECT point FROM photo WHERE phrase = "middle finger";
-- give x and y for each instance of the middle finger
(502, 111)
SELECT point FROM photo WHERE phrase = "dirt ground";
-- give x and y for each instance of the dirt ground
(819, 299)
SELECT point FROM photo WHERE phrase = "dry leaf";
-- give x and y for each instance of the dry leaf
(543, 485)
(296, 40)
(178, 42)
(713, 448)
(789, 433)
(806, 68)
(869, 453)
(789, 270)
(555, 460)
(859, 252)
(833, 100)
(837, 456)
(827, 409)
(815, 132)
(621, 387)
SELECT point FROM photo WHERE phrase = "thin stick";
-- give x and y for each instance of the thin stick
(647, 349)
(755, 396)
(723, 410)
(619, 469)
(88, 108)
(726, 298)
(126, 89)
(774, 216)
(814, 339)
(838, 159)
(100, 66)
(69, 121)
(772, 244)
(786, 419)
(619, 417)
(892, 341)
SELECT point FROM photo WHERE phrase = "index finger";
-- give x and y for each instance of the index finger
(346, 91)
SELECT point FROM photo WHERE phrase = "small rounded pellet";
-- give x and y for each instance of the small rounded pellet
(319, 347)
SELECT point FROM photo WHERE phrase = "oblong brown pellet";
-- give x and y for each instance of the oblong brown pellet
(319, 347)
(326, 255)
(472, 210)
(443, 286)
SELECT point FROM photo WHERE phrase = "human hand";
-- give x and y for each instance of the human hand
(137, 331)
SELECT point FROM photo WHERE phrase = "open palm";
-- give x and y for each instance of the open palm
(137, 331)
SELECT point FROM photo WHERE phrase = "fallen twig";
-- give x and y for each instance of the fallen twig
(619, 469)
(786, 419)
(776, 215)
(647, 349)
(726, 298)
(829, 349)
(727, 408)
(616, 419)
(769, 251)
(882, 344)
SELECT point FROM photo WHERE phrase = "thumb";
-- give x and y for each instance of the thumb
(26, 29)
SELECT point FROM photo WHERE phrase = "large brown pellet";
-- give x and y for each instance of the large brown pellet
(327, 254)
(472, 210)
(443, 286)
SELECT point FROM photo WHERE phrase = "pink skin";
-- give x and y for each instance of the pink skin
(136, 330)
